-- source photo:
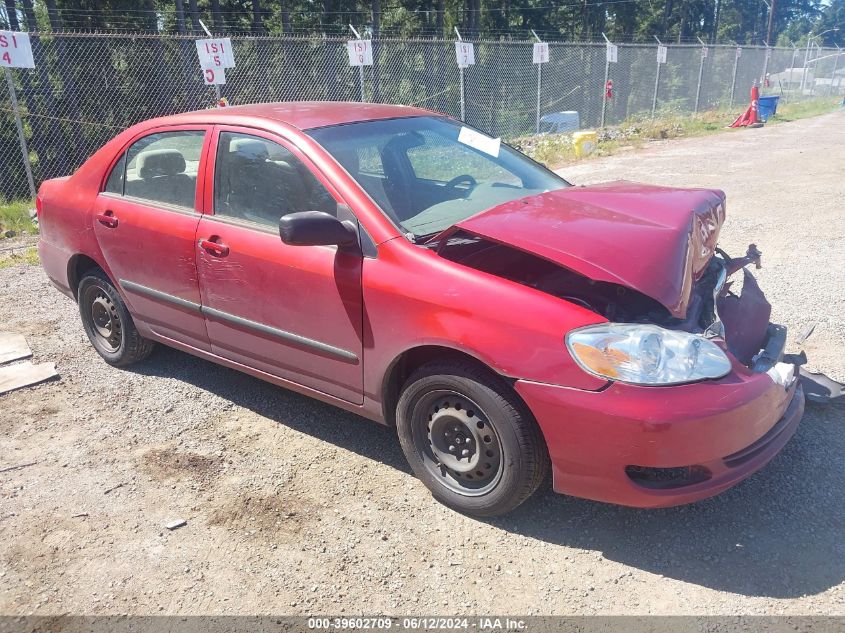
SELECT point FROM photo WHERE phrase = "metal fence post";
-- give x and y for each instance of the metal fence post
(461, 77)
(24, 150)
(539, 85)
(700, 73)
(766, 58)
(463, 102)
(792, 64)
(816, 55)
(804, 70)
(606, 77)
(216, 86)
(656, 79)
(833, 74)
(360, 68)
(539, 88)
(737, 55)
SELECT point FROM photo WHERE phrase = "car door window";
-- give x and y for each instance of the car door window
(115, 182)
(260, 181)
(163, 168)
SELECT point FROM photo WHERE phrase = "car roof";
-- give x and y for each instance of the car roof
(304, 115)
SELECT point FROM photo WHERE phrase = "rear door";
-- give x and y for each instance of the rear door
(292, 311)
(145, 220)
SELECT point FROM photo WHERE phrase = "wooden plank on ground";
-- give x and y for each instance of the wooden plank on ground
(25, 374)
(13, 346)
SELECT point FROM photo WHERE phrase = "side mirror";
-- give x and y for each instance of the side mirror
(316, 228)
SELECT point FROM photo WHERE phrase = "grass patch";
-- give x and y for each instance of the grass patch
(803, 109)
(23, 256)
(14, 217)
(556, 150)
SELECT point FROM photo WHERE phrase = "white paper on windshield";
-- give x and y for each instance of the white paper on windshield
(479, 141)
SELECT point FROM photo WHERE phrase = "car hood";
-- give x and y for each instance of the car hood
(656, 240)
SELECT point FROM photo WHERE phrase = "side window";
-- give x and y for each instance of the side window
(260, 181)
(115, 182)
(163, 168)
(441, 160)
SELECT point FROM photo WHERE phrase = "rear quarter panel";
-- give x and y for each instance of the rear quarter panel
(65, 224)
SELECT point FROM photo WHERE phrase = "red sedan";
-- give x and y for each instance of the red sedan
(432, 278)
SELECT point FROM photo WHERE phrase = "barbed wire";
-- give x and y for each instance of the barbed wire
(343, 38)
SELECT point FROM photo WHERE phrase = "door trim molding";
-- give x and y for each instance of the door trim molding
(267, 330)
(158, 295)
(288, 337)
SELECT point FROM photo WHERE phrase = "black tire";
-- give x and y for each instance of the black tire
(107, 322)
(499, 457)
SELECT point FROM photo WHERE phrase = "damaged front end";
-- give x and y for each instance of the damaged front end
(720, 307)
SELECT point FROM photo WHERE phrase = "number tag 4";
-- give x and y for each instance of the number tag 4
(15, 50)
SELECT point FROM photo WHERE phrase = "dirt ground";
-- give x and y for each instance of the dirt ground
(295, 507)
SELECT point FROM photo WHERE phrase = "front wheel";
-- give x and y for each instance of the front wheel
(107, 322)
(470, 439)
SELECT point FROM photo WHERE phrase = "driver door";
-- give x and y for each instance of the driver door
(291, 311)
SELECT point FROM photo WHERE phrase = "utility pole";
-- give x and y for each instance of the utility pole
(771, 25)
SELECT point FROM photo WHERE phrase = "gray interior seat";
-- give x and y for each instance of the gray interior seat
(163, 178)
(260, 189)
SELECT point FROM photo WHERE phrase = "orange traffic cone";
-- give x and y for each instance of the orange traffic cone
(749, 117)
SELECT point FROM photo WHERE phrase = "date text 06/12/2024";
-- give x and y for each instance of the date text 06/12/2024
(417, 623)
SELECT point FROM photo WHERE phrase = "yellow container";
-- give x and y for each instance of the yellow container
(584, 142)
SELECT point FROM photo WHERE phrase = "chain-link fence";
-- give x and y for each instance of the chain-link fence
(85, 88)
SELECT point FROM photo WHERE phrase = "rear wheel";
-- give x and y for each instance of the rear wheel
(470, 439)
(107, 322)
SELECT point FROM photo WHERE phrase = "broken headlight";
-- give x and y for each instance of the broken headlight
(646, 354)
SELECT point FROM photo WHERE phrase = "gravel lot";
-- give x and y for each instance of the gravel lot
(295, 507)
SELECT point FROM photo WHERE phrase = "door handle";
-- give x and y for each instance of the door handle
(214, 248)
(107, 218)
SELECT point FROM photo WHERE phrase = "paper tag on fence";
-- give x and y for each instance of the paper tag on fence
(541, 52)
(15, 50)
(739, 51)
(612, 53)
(704, 51)
(479, 141)
(465, 54)
(661, 54)
(214, 76)
(360, 52)
(216, 53)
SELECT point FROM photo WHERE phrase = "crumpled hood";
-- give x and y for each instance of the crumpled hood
(656, 240)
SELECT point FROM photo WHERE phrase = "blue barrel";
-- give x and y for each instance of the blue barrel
(767, 106)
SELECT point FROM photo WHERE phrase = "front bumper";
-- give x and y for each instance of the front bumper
(727, 428)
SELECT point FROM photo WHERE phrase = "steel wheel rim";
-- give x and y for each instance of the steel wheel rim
(105, 323)
(458, 443)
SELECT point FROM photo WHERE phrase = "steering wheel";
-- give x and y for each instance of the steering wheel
(472, 182)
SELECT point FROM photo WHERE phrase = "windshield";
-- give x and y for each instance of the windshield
(428, 173)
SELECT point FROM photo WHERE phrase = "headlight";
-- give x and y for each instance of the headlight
(646, 354)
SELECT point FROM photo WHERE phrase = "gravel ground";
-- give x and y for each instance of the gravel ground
(295, 507)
